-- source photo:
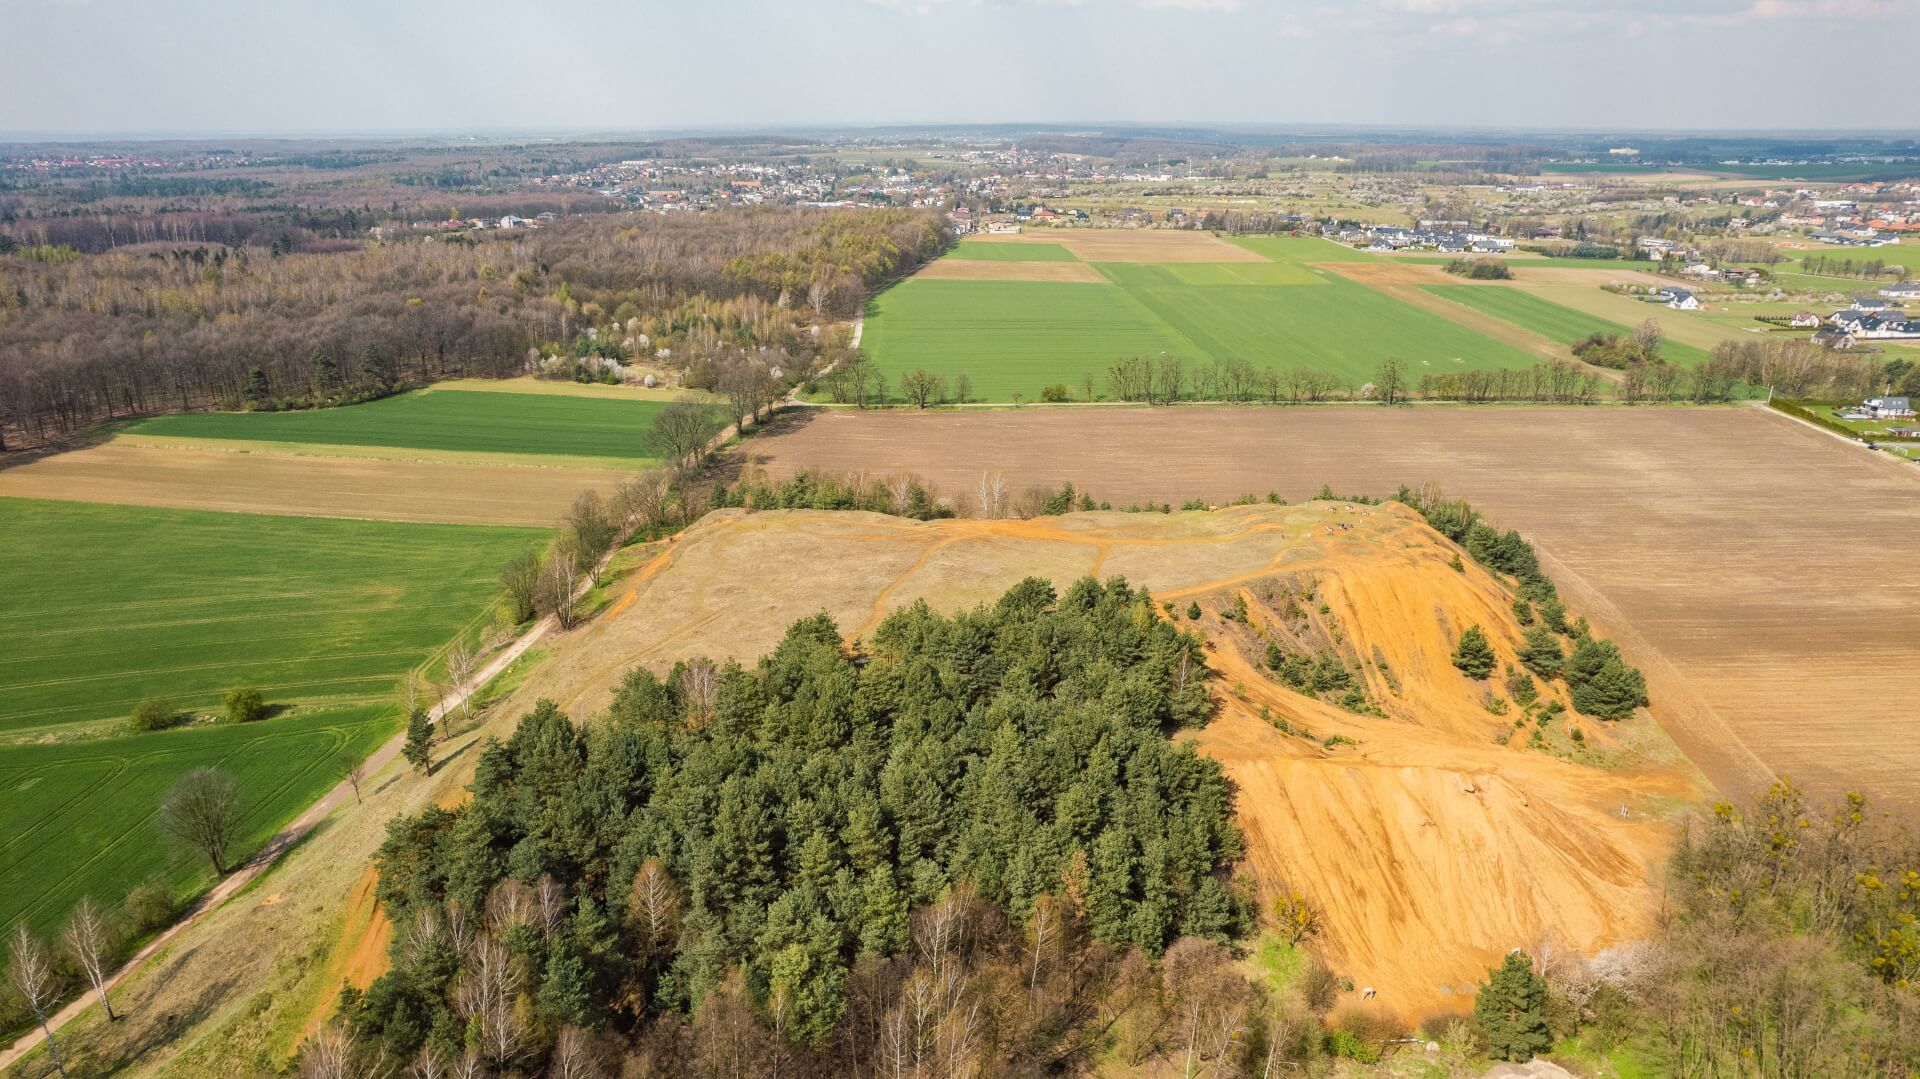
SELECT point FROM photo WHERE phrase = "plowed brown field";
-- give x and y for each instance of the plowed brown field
(996, 270)
(1760, 571)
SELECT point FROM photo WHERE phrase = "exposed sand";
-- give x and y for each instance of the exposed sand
(1432, 848)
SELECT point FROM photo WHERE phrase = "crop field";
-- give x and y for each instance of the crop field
(78, 818)
(109, 605)
(1005, 252)
(1303, 249)
(1016, 336)
(1549, 319)
(1757, 569)
(449, 420)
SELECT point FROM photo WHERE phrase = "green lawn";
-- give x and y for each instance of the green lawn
(1524, 262)
(107, 605)
(78, 819)
(455, 420)
(1549, 319)
(1006, 251)
(1013, 337)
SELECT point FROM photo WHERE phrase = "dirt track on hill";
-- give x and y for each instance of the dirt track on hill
(1760, 571)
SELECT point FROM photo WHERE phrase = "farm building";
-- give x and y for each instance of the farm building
(1680, 299)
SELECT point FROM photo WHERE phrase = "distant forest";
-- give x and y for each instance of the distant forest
(84, 338)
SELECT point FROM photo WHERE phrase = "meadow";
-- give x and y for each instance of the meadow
(1016, 337)
(78, 818)
(110, 605)
(1550, 319)
(443, 420)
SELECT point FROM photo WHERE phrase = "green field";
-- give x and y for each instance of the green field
(107, 605)
(78, 819)
(1549, 319)
(996, 251)
(1302, 249)
(444, 420)
(1541, 262)
(1013, 337)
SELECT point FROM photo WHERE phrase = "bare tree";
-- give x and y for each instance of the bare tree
(576, 1055)
(697, 688)
(326, 1055)
(428, 1064)
(461, 662)
(559, 580)
(353, 770)
(485, 995)
(89, 937)
(203, 811)
(30, 969)
(993, 494)
(681, 432)
(654, 907)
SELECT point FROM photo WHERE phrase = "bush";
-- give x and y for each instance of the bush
(244, 704)
(1055, 393)
(149, 907)
(152, 714)
(1480, 269)
(1542, 654)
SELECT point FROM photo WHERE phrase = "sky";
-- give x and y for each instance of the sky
(188, 67)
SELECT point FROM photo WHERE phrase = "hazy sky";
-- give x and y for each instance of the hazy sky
(292, 66)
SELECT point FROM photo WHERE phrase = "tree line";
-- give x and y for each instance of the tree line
(161, 328)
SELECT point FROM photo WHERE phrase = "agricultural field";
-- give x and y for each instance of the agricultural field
(1548, 318)
(1269, 304)
(457, 421)
(1006, 252)
(1673, 529)
(110, 605)
(78, 818)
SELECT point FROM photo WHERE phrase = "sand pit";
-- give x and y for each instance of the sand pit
(997, 270)
(1432, 847)
(1134, 245)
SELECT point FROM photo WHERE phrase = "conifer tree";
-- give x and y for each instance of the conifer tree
(1512, 1010)
(418, 749)
(1474, 656)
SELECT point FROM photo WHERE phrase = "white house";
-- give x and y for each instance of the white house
(1680, 299)
(1905, 290)
(1888, 408)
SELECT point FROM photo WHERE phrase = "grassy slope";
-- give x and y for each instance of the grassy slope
(78, 819)
(1549, 319)
(111, 604)
(1302, 249)
(999, 251)
(442, 420)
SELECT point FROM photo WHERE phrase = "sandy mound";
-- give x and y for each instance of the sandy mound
(1432, 847)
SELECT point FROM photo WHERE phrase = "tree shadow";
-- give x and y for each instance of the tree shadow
(97, 435)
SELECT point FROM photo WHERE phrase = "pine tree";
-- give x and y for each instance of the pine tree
(1512, 1010)
(1542, 654)
(418, 749)
(1474, 656)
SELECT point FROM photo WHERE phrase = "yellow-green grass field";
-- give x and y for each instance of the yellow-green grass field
(1017, 337)
(453, 421)
(110, 605)
(79, 818)
(1550, 319)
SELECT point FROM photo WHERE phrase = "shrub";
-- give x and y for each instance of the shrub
(244, 704)
(1193, 612)
(1055, 393)
(149, 907)
(1541, 654)
(152, 714)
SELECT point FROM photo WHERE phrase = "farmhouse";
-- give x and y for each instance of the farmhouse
(1679, 299)
(1888, 408)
